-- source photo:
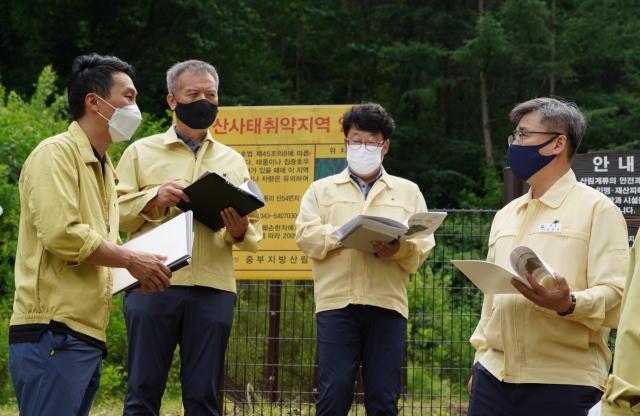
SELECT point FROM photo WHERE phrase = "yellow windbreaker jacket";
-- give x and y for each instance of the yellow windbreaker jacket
(152, 161)
(344, 276)
(67, 210)
(624, 383)
(520, 342)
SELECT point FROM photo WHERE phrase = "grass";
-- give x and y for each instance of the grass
(170, 407)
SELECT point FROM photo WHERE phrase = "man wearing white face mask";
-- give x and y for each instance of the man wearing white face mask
(361, 298)
(68, 246)
(123, 122)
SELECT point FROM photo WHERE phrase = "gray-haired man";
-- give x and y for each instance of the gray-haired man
(544, 352)
(197, 312)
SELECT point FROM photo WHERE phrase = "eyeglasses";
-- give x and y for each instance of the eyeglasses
(517, 137)
(370, 146)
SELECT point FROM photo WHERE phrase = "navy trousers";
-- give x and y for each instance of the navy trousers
(198, 319)
(351, 335)
(491, 397)
(59, 375)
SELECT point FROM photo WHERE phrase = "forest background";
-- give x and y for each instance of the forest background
(447, 71)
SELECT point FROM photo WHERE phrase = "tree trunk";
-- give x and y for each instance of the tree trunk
(141, 34)
(299, 57)
(552, 76)
(486, 128)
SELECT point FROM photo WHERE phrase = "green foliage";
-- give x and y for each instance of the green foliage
(492, 199)
(420, 61)
(6, 387)
(23, 124)
(444, 311)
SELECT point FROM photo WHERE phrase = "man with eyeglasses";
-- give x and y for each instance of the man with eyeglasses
(545, 352)
(361, 298)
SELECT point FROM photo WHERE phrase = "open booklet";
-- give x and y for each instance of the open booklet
(495, 280)
(363, 229)
(173, 239)
(211, 193)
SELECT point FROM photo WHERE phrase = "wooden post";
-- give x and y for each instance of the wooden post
(405, 374)
(552, 76)
(512, 186)
(275, 291)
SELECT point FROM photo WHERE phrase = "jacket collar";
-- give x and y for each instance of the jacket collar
(83, 143)
(556, 194)
(171, 137)
(343, 177)
(85, 149)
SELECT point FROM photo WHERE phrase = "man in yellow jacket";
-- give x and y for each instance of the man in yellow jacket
(196, 312)
(622, 397)
(361, 298)
(67, 246)
(545, 352)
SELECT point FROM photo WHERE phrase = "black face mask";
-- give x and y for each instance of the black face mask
(198, 115)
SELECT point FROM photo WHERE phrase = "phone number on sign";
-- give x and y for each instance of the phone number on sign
(279, 215)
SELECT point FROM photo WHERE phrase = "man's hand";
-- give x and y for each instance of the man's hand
(385, 249)
(236, 225)
(558, 299)
(150, 271)
(469, 384)
(169, 194)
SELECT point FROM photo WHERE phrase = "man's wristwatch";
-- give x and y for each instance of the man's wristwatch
(571, 308)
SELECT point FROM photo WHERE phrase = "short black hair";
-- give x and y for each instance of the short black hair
(92, 73)
(368, 117)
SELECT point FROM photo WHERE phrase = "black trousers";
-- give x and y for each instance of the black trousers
(198, 319)
(491, 397)
(368, 334)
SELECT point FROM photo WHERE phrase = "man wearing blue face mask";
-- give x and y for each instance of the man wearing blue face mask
(361, 298)
(544, 352)
(196, 312)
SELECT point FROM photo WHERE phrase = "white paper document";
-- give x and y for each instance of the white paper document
(173, 239)
(363, 229)
(596, 410)
(496, 280)
(252, 189)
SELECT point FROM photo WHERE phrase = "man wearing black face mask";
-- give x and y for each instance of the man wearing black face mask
(197, 312)
(544, 352)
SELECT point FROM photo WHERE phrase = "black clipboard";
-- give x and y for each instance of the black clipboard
(211, 194)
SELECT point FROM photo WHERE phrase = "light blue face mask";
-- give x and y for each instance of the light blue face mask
(526, 161)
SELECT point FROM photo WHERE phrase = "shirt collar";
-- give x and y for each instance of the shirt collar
(556, 194)
(97, 156)
(357, 179)
(187, 140)
(171, 136)
(345, 176)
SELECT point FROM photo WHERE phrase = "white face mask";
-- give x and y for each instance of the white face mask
(124, 121)
(363, 161)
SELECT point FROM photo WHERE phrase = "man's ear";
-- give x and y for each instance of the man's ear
(171, 100)
(560, 145)
(91, 102)
(386, 146)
